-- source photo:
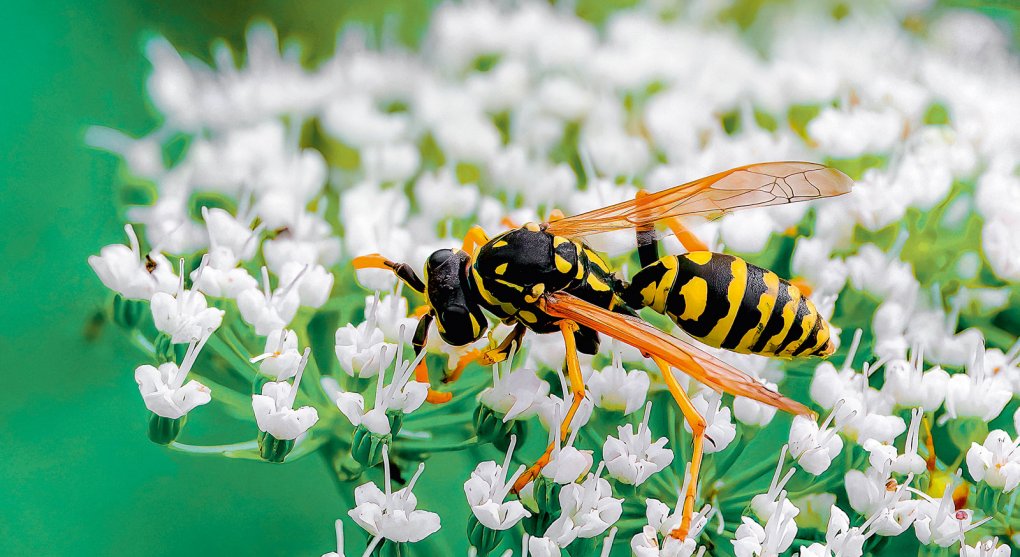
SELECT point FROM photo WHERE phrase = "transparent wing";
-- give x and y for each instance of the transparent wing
(754, 185)
(694, 362)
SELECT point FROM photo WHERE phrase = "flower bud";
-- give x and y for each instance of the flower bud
(164, 431)
(128, 313)
(166, 351)
(273, 449)
(541, 496)
(367, 446)
(481, 538)
(490, 427)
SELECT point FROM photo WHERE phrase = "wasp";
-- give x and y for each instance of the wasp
(544, 278)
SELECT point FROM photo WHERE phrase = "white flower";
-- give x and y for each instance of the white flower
(909, 386)
(540, 547)
(633, 458)
(854, 132)
(274, 408)
(614, 388)
(751, 412)
(812, 445)
(986, 548)
(996, 462)
(516, 394)
(765, 504)
(392, 515)
(587, 510)
(122, 269)
(230, 239)
(314, 283)
(164, 391)
(281, 358)
(362, 350)
(269, 310)
(938, 522)
(487, 488)
(977, 393)
(186, 317)
(720, 429)
(390, 314)
(841, 538)
(751, 540)
(401, 395)
(662, 522)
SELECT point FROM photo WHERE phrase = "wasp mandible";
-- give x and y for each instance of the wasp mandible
(545, 278)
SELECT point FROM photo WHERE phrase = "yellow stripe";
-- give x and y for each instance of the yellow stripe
(499, 243)
(654, 295)
(516, 287)
(807, 323)
(735, 294)
(562, 265)
(789, 314)
(695, 294)
(502, 268)
(597, 284)
(527, 316)
(765, 305)
(558, 241)
(700, 257)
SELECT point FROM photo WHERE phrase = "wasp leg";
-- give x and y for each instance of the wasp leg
(421, 373)
(403, 271)
(555, 215)
(648, 245)
(500, 353)
(472, 356)
(569, 329)
(474, 238)
(698, 425)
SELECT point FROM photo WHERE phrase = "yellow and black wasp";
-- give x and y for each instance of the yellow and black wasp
(544, 278)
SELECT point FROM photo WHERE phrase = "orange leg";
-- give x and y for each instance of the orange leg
(568, 328)
(686, 237)
(802, 284)
(555, 215)
(474, 238)
(698, 425)
(472, 356)
(421, 371)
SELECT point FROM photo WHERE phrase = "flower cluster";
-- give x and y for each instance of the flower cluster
(236, 272)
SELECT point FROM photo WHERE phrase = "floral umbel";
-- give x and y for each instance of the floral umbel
(263, 180)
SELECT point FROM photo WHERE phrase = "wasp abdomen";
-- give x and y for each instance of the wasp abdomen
(729, 303)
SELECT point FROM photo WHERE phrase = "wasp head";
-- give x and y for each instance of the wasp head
(459, 318)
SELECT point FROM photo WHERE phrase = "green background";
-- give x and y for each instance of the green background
(77, 473)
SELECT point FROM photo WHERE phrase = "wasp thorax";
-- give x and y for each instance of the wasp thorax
(458, 317)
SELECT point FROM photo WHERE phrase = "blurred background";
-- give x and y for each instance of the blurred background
(78, 475)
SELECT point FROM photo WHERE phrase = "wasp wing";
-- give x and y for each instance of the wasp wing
(694, 362)
(754, 185)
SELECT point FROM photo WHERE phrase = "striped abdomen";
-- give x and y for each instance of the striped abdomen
(729, 303)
